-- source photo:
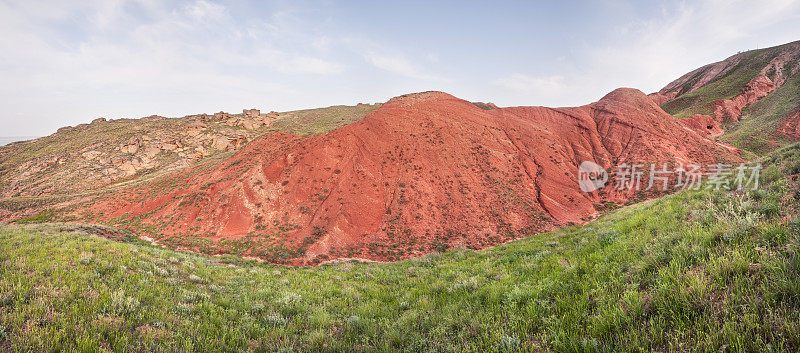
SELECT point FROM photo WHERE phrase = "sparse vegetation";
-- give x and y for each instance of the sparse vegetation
(317, 121)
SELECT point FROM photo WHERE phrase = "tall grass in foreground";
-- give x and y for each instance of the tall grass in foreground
(695, 271)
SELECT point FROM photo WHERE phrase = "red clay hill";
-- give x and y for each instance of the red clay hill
(424, 172)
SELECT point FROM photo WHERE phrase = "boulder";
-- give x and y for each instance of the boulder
(131, 147)
(251, 112)
(221, 143)
(91, 154)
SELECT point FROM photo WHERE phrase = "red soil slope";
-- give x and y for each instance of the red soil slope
(661, 98)
(703, 124)
(729, 110)
(424, 172)
(791, 126)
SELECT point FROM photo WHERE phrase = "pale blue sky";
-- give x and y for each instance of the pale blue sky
(67, 62)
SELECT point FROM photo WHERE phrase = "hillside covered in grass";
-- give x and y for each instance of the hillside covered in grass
(757, 131)
(695, 271)
(321, 120)
(723, 80)
(754, 95)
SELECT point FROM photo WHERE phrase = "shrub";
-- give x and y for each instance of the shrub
(774, 234)
(770, 207)
(196, 279)
(354, 324)
(194, 297)
(404, 305)
(290, 299)
(607, 237)
(257, 308)
(467, 284)
(122, 305)
(183, 308)
(740, 230)
(274, 319)
(508, 344)
(770, 174)
(6, 298)
(85, 258)
(353, 320)
(793, 168)
(516, 298)
(794, 225)
(289, 304)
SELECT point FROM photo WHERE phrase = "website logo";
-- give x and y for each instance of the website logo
(591, 176)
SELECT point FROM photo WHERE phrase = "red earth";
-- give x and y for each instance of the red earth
(729, 110)
(703, 124)
(661, 98)
(422, 173)
(791, 126)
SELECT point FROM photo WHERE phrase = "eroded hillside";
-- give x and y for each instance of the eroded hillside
(424, 172)
(755, 95)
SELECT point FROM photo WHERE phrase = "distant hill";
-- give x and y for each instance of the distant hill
(755, 94)
(102, 153)
(4, 140)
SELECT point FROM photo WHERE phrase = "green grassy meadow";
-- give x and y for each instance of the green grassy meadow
(697, 271)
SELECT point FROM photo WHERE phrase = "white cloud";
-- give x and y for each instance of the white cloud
(397, 65)
(303, 64)
(553, 90)
(204, 11)
(650, 52)
(528, 84)
(65, 62)
(133, 54)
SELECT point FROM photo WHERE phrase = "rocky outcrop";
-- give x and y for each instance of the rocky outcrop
(196, 126)
(485, 106)
(168, 144)
(730, 110)
(252, 119)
